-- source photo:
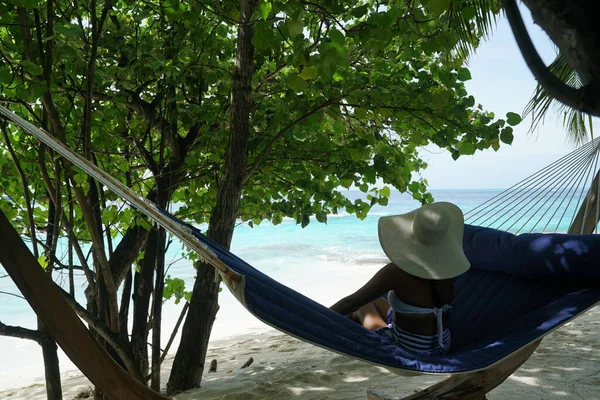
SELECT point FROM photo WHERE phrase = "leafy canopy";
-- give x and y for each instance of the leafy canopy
(342, 96)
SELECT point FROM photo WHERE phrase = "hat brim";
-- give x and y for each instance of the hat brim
(444, 259)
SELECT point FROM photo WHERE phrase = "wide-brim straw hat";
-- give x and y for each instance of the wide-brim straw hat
(426, 242)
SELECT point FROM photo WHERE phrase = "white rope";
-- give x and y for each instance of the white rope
(143, 205)
(529, 194)
(552, 191)
(507, 195)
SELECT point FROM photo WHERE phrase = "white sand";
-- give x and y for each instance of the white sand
(565, 366)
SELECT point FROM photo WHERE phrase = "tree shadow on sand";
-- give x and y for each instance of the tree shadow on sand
(565, 366)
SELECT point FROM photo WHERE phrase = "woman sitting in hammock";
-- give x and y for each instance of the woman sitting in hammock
(425, 247)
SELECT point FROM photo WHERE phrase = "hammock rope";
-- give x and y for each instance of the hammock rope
(143, 205)
(513, 195)
(514, 190)
(546, 199)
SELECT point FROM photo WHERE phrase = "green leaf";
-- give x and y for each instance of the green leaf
(358, 94)
(513, 118)
(468, 13)
(305, 220)
(24, 93)
(308, 73)
(359, 11)
(297, 83)
(437, 7)
(469, 101)
(495, 144)
(68, 30)
(43, 261)
(295, 27)
(467, 149)
(337, 37)
(464, 74)
(263, 38)
(32, 68)
(300, 134)
(506, 135)
(264, 8)
(338, 127)
(385, 191)
(441, 99)
(321, 217)
(430, 46)
(172, 9)
(6, 75)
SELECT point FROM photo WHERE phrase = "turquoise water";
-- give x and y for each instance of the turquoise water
(344, 239)
(295, 256)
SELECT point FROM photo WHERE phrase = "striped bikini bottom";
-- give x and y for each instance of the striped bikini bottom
(422, 344)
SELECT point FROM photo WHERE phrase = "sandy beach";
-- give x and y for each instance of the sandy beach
(565, 366)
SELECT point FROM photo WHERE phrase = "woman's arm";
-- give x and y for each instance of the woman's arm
(380, 283)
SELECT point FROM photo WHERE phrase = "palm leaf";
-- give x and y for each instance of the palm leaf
(540, 103)
(471, 28)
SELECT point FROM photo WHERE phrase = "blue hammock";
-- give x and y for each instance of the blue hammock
(520, 288)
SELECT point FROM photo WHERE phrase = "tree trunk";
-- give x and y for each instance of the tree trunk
(51, 366)
(124, 309)
(188, 365)
(157, 310)
(49, 347)
(572, 26)
(142, 290)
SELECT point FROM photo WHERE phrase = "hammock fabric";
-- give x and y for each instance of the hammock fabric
(520, 288)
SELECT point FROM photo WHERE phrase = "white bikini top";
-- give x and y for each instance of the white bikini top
(401, 307)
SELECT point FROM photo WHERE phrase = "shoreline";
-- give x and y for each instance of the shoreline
(566, 365)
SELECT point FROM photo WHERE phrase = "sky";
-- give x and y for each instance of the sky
(501, 82)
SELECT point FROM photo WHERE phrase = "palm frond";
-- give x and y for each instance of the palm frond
(540, 103)
(474, 19)
(574, 122)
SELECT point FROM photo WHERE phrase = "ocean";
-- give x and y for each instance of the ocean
(322, 261)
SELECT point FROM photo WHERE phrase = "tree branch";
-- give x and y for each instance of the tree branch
(279, 134)
(585, 99)
(112, 338)
(19, 332)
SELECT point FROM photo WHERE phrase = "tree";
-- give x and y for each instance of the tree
(252, 110)
(340, 96)
(572, 28)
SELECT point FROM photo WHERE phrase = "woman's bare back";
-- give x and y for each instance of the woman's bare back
(419, 292)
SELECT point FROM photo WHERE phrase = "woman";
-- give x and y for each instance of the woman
(425, 249)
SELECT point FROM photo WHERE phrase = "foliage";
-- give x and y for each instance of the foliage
(540, 103)
(342, 96)
(175, 287)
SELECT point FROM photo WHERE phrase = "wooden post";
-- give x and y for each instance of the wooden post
(590, 203)
(62, 322)
(469, 386)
